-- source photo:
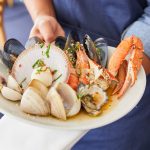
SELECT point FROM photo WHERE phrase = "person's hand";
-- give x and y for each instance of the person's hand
(46, 28)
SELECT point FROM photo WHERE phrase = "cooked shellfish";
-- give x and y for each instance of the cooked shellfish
(63, 100)
(33, 103)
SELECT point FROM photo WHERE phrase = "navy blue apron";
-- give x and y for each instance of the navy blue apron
(109, 18)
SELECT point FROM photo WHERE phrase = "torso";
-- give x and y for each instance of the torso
(108, 18)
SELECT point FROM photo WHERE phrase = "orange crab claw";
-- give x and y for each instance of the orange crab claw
(134, 46)
(121, 76)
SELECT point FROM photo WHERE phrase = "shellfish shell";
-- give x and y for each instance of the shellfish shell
(57, 60)
(33, 103)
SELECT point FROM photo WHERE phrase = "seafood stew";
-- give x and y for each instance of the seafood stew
(79, 80)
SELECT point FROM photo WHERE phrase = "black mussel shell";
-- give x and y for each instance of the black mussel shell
(75, 36)
(32, 41)
(102, 48)
(60, 41)
(68, 41)
(8, 59)
(14, 47)
(90, 49)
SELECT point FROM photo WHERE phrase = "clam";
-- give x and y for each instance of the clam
(56, 103)
(63, 100)
(39, 86)
(43, 74)
(9, 93)
(71, 103)
(33, 103)
(12, 83)
(92, 98)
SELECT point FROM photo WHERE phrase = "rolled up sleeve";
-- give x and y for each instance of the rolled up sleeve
(141, 28)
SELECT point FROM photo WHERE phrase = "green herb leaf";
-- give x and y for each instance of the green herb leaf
(47, 51)
(38, 63)
(41, 45)
(57, 78)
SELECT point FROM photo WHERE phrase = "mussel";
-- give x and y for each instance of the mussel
(32, 41)
(97, 51)
(12, 48)
(65, 43)
(102, 48)
(60, 42)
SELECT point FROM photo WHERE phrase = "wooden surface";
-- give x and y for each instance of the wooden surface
(2, 31)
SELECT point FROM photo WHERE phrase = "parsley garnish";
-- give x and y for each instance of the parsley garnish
(47, 51)
(38, 63)
(57, 78)
(41, 45)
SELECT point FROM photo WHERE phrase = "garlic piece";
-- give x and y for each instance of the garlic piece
(12, 84)
(44, 75)
(39, 86)
(71, 103)
(33, 103)
(56, 103)
(10, 94)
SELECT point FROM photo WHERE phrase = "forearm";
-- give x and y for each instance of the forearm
(39, 8)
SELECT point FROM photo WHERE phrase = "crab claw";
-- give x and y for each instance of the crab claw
(121, 76)
(134, 64)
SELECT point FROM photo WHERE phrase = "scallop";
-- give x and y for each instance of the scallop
(52, 56)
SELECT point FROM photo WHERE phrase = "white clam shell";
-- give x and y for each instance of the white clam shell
(10, 94)
(44, 76)
(22, 68)
(33, 103)
(40, 87)
(71, 103)
(56, 103)
(12, 83)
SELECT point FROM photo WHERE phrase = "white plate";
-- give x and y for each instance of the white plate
(118, 109)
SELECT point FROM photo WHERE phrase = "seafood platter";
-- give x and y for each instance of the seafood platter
(71, 84)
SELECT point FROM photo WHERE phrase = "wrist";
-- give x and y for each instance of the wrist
(43, 15)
